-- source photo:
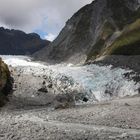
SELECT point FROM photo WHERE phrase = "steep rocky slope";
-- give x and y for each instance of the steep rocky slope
(14, 42)
(5, 82)
(104, 27)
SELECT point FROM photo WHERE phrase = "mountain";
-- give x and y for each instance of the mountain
(104, 27)
(15, 42)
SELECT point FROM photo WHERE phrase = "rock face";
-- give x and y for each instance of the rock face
(5, 82)
(14, 42)
(104, 27)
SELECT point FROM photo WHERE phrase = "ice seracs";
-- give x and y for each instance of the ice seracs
(94, 82)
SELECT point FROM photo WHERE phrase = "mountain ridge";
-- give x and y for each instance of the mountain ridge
(16, 42)
(90, 32)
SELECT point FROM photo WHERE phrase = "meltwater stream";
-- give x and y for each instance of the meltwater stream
(97, 83)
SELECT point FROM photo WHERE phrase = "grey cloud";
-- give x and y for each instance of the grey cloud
(47, 15)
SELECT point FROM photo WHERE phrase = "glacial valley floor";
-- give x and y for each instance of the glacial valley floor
(112, 120)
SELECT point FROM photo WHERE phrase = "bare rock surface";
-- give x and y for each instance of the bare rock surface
(103, 121)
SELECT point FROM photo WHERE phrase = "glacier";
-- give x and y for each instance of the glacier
(96, 83)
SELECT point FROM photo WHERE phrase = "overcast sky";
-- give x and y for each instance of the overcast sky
(46, 17)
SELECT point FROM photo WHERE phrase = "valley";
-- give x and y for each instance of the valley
(84, 85)
(66, 101)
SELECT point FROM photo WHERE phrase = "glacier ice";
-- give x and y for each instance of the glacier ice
(97, 83)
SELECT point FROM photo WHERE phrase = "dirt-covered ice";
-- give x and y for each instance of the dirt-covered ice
(94, 82)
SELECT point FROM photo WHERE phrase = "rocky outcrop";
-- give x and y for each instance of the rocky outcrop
(14, 42)
(5, 82)
(104, 27)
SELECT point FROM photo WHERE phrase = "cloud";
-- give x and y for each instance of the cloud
(21, 14)
(50, 37)
(30, 15)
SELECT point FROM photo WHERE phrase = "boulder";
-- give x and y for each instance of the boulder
(63, 101)
(6, 82)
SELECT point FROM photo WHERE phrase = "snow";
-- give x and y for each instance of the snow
(96, 82)
(19, 61)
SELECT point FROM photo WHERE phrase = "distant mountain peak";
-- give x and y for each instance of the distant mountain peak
(16, 42)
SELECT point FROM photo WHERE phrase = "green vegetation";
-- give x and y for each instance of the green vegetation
(95, 50)
(128, 43)
(107, 31)
(4, 74)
